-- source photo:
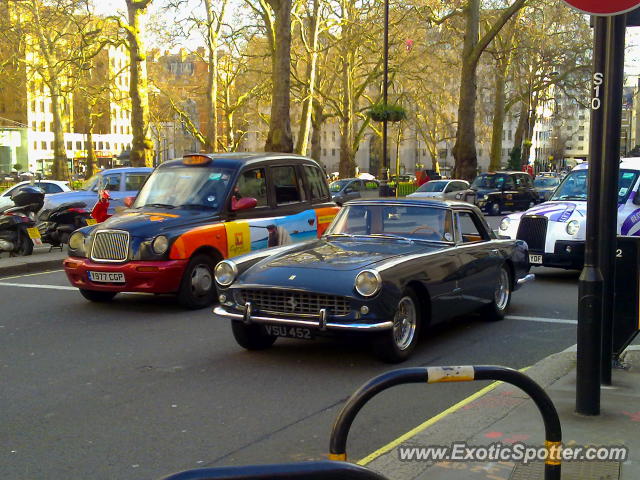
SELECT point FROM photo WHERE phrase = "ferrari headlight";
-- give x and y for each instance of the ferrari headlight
(226, 272)
(573, 227)
(368, 282)
(76, 241)
(160, 244)
(504, 224)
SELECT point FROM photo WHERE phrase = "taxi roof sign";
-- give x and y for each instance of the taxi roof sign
(196, 159)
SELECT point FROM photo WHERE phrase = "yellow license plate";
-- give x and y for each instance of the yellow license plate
(33, 233)
(91, 221)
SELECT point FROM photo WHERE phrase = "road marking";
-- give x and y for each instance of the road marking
(30, 274)
(57, 287)
(28, 285)
(423, 426)
(543, 319)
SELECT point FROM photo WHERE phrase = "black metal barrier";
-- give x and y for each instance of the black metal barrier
(336, 468)
(553, 430)
(323, 470)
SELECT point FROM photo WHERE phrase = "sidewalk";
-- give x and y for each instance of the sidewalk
(40, 261)
(507, 416)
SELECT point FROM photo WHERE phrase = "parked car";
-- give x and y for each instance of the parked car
(121, 182)
(351, 188)
(49, 187)
(385, 268)
(191, 214)
(545, 186)
(442, 189)
(500, 191)
(555, 230)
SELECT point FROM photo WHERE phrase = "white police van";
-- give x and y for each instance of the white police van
(555, 230)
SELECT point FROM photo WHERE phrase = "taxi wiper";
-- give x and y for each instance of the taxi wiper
(160, 205)
(195, 205)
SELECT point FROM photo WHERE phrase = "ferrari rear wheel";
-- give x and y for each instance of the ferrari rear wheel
(497, 309)
(398, 343)
(251, 337)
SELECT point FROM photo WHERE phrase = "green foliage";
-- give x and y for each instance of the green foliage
(515, 158)
(17, 167)
(391, 113)
(404, 188)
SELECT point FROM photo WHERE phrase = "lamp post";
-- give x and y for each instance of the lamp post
(384, 175)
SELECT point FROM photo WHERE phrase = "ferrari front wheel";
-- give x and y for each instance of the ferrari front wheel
(398, 343)
(497, 309)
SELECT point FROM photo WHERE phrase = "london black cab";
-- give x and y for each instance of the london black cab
(496, 192)
(191, 214)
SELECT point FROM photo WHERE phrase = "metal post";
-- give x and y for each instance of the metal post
(608, 224)
(384, 178)
(590, 284)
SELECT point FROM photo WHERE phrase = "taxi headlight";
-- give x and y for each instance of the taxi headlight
(368, 282)
(76, 241)
(160, 244)
(504, 224)
(225, 273)
(573, 227)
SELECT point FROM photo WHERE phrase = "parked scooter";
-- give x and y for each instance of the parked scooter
(57, 225)
(17, 223)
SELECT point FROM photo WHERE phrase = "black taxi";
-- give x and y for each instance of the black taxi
(194, 212)
(495, 192)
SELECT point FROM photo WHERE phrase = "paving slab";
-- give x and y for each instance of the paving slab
(41, 261)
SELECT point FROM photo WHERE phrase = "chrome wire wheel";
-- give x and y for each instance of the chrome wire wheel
(404, 323)
(201, 280)
(503, 290)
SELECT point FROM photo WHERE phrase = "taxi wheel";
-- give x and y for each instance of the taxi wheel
(251, 337)
(494, 208)
(197, 288)
(97, 295)
(398, 343)
(497, 309)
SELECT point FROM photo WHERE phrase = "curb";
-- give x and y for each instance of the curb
(32, 264)
(468, 418)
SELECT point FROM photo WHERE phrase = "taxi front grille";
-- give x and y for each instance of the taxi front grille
(533, 230)
(292, 303)
(110, 246)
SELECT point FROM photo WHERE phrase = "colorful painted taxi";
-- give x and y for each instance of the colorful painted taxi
(555, 230)
(191, 214)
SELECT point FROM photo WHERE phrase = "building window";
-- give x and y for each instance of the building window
(324, 152)
(34, 126)
(333, 135)
(121, 129)
(510, 135)
(333, 152)
(43, 144)
(582, 127)
(108, 146)
(100, 145)
(33, 105)
(42, 106)
(51, 127)
(69, 145)
(581, 137)
(78, 145)
(43, 127)
(35, 145)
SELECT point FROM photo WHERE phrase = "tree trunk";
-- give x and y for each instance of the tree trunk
(531, 125)
(464, 150)
(279, 137)
(347, 165)
(498, 116)
(92, 160)
(312, 59)
(60, 164)
(141, 145)
(317, 119)
(212, 81)
(518, 137)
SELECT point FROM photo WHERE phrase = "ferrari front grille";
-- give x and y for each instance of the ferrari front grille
(293, 303)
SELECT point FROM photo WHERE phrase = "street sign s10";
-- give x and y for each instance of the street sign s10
(604, 7)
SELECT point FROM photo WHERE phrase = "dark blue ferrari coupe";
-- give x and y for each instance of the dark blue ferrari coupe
(384, 267)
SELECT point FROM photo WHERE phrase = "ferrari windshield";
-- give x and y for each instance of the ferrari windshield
(200, 187)
(574, 186)
(433, 186)
(393, 221)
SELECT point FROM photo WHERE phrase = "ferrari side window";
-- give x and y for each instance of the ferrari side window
(467, 228)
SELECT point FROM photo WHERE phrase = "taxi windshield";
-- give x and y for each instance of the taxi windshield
(393, 222)
(574, 186)
(546, 182)
(196, 187)
(490, 180)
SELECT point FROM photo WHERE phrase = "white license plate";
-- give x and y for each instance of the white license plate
(290, 332)
(106, 277)
(535, 259)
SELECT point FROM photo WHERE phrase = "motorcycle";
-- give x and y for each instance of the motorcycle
(57, 225)
(17, 223)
